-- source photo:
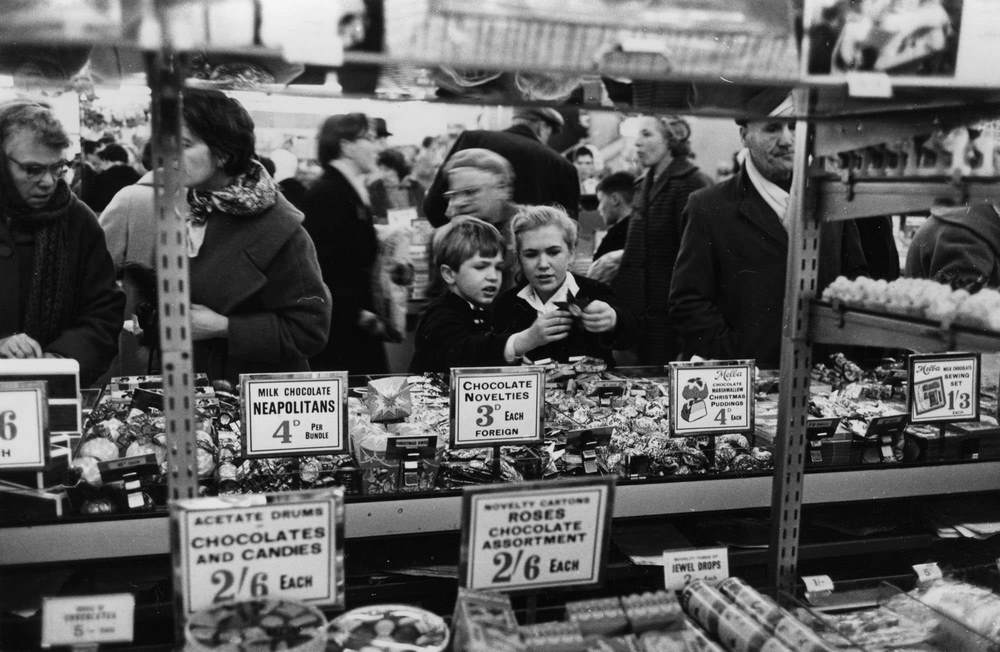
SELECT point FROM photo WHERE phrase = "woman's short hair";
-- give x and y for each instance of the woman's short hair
(394, 160)
(343, 126)
(529, 218)
(462, 238)
(223, 124)
(677, 132)
(482, 159)
(35, 117)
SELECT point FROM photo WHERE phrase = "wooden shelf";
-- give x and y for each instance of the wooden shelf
(873, 197)
(851, 326)
(149, 535)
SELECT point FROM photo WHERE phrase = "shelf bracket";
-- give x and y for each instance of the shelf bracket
(847, 178)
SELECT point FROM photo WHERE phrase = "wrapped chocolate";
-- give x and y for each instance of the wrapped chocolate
(388, 399)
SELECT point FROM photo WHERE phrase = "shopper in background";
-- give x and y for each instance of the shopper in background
(394, 188)
(258, 302)
(654, 232)
(339, 219)
(582, 158)
(615, 194)
(88, 167)
(57, 283)
(115, 174)
(286, 166)
(958, 246)
(382, 133)
(727, 295)
(479, 185)
(577, 315)
(541, 175)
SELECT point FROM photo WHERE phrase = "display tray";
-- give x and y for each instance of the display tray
(849, 325)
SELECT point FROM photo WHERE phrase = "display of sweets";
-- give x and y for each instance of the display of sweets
(257, 625)
(388, 627)
(923, 298)
(726, 621)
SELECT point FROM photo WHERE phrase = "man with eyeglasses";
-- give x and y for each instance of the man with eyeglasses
(57, 283)
(541, 175)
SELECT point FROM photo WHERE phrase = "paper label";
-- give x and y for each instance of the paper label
(401, 216)
(683, 566)
(818, 583)
(738, 632)
(23, 425)
(539, 535)
(869, 84)
(294, 414)
(240, 553)
(494, 407)
(88, 619)
(927, 572)
(944, 387)
(711, 397)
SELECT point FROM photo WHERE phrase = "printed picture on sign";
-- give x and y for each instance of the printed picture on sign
(897, 37)
(928, 395)
(695, 392)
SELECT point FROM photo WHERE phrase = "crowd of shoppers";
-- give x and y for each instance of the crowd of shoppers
(684, 268)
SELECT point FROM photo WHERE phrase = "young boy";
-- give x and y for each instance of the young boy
(457, 329)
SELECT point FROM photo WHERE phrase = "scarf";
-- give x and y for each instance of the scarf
(49, 298)
(250, 193)
(775, 196)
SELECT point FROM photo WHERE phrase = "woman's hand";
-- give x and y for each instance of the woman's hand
(548, 327)
(20, 345)
(599, 317)
(206, 324)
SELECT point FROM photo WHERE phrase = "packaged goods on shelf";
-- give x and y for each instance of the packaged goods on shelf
(920, 298)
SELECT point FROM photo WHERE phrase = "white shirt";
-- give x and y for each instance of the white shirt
(528, 294)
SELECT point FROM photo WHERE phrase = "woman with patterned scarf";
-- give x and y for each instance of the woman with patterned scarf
(58, 296)
(258, 299)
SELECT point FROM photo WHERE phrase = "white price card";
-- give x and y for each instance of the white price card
(536, 535)
(927, 572)
(869, 84)
(500, 406)
(818, 584)
(681, 567)
(289, 414)
(944, 387)
(258, 545)
(24, 441)
(88, 619)
(711, 397)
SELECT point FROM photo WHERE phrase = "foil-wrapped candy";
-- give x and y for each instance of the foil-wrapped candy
(388, 399)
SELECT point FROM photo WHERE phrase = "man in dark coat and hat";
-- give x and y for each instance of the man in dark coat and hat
(728, 289)
(541, 175)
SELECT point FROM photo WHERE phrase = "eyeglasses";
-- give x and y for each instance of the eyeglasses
(35, 171)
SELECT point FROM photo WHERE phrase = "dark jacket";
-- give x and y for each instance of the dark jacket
(654, 236)
(260, 272)
(958, 245)
(728, 289)
(106, 185)
(452, 334)
(341, 226)
(91, 336)
(382, 203)
(541, 175)
(512, 314)
(614, 239)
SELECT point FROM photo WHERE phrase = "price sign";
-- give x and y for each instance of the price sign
(869, 84)
(536, 535)
(294, 414)
(711, 397)
(24, 431)
(818, 584)
(680, 567)
(244, 547)
(497, 406)
(927, 572)
(88, 619)
(944, 387)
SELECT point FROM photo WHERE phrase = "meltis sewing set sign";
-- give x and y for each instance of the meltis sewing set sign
(944, 387)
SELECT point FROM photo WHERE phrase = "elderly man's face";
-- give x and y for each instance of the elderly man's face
(477, 193)
(34, 166)
(772, 148)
